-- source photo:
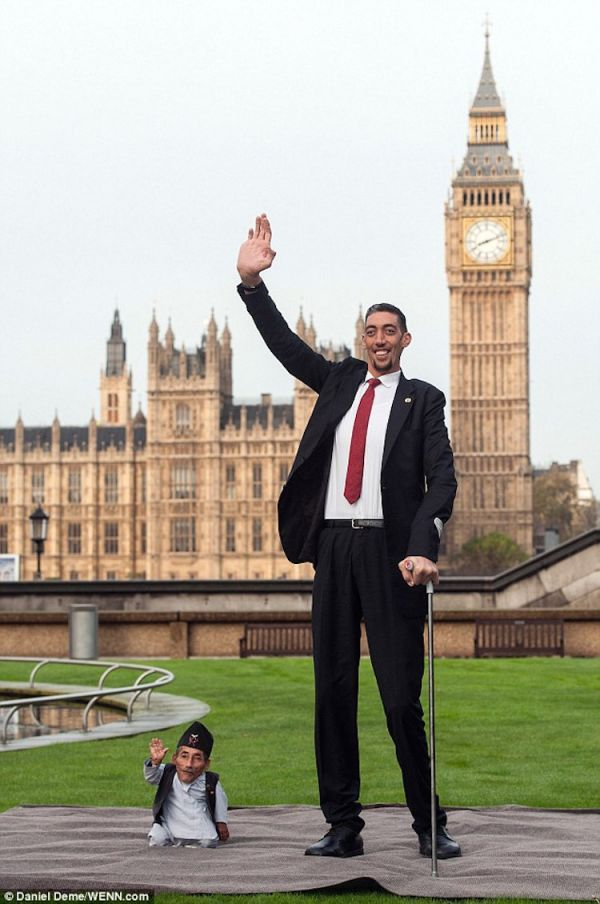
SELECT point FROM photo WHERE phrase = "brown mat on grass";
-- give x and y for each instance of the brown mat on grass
(507, 852)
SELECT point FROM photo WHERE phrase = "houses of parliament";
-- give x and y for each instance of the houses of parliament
(189, 490)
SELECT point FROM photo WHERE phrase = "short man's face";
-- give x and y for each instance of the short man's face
(189, 763)
(384, 342)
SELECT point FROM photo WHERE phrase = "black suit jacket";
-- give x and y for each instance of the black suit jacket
(417, 475)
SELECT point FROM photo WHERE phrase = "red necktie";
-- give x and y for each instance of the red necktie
(356, 459)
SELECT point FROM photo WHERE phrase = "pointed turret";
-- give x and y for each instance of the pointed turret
(153, 331)
(115, 381)
(226, 334)
(169, 338)
(56, 432)
(115, 349)
(226, 363)
(301, 325)
(211, 330)
(487, 94)
(359, 351)
(311, 334)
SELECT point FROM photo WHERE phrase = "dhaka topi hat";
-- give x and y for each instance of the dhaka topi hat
(198, 736)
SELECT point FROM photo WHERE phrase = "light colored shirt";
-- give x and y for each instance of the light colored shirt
(368, 505)
(185, 812)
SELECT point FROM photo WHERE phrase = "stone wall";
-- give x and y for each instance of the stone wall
(180, 635)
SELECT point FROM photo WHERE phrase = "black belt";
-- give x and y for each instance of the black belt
(356, 523)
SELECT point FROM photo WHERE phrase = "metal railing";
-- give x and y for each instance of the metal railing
(91, 696)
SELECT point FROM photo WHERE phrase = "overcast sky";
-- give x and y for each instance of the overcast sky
(140, 137)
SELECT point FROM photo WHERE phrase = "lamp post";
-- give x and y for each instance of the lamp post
(38, 531)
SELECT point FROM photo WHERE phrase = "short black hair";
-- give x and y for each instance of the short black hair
(391, 309)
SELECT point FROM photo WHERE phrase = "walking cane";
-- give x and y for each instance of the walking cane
(430, 656)
(434, 872)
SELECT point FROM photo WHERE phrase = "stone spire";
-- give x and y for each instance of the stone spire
(169, 338)
(153, 328)
(487, 96)
(115, 349)
(359, 351)
(301, 325)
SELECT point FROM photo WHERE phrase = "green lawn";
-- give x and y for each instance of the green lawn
(508, 731)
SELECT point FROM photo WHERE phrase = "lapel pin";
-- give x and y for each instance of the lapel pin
(408, 399)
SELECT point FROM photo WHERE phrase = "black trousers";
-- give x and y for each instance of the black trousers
(354, 579)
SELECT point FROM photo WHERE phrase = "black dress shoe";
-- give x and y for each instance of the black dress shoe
(446, 847)
(338, 842)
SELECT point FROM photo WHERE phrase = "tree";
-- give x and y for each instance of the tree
(490, 554)
(555, 505)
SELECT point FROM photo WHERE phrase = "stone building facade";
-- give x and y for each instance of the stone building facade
(488, 266)
(188, 490)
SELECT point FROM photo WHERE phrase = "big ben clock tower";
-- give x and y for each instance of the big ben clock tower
(488, 264)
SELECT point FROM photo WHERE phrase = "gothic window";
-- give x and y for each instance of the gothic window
(464, 198)
(183, 535)
(284, 470)
(230, 535)
(74, 486)
(3, 538)
(143, 538)
(111, 485)
(73, 575)
(183, 417)
(479, 197)
(74, 538)
(500, 197)
(257, 539)
(493, 197)
(183, 481)
(472, 198)
(3, 486)
(111, 538)
(37, 486)
(257, 488)
(486, 198)
(230, 481)
(507, 197)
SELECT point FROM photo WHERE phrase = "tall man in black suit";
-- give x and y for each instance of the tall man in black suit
(372, 481)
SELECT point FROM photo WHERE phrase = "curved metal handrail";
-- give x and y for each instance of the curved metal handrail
(93, 695)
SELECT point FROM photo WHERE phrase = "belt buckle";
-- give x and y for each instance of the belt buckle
(356, 525)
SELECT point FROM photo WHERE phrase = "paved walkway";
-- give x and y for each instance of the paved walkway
(165, 710)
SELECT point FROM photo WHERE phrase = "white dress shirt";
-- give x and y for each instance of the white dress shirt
(368, 505)
(185, 812)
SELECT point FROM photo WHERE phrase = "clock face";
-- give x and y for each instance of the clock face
(486, 241)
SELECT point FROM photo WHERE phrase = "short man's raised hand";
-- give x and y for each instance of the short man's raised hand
(157, 751)
(418, 570)
(256, 253)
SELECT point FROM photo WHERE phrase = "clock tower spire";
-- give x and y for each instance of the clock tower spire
(488, 266)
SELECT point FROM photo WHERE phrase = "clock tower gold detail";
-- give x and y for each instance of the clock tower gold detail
(487, 241)
(488, 266)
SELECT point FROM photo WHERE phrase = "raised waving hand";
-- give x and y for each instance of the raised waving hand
(256, 253)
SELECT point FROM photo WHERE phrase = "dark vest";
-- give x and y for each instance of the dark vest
(166, 783)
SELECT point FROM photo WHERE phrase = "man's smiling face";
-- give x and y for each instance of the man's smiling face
(384, 342)
(189, 763)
